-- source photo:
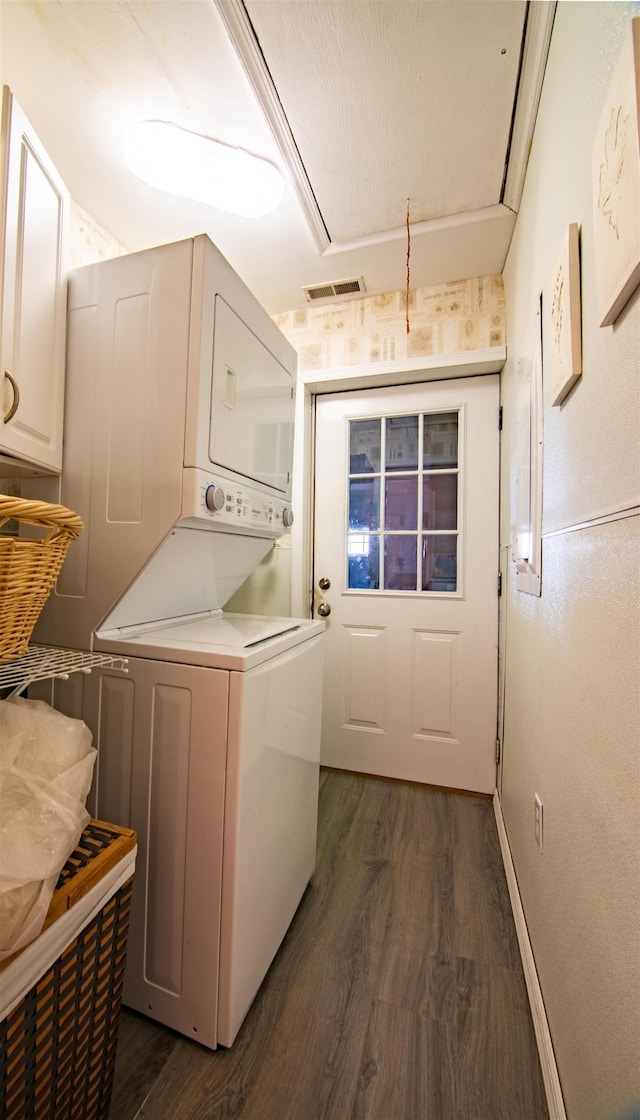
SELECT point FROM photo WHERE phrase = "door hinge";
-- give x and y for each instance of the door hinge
(498, 752)
(499, 584)
(500, 419)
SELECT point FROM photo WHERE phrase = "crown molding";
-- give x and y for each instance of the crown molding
(240, 31)
(535, 51)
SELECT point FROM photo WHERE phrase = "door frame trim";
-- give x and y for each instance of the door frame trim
(381, 375)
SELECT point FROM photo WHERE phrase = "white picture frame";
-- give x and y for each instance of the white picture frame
(563, 363)
(616, 184)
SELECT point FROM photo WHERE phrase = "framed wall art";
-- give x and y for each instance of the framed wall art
(616, 184)
(564, 360)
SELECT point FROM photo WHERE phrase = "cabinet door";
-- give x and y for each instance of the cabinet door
(32, 339)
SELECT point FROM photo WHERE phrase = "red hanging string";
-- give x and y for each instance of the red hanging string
(408, 271)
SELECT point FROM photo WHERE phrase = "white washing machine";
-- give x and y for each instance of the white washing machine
(177, 454)
(209, 748)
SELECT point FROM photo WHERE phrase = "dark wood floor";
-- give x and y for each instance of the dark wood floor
(398, 993)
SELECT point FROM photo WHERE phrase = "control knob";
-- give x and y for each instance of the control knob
(214, 498)
(287, 518)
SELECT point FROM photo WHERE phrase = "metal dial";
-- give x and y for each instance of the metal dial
(214, 498)
(287, 518)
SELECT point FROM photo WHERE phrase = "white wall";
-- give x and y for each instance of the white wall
(268, 588)
(571, 729)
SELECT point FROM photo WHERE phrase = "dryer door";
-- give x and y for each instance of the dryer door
(252, 406)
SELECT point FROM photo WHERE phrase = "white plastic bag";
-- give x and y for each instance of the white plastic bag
(46, 767)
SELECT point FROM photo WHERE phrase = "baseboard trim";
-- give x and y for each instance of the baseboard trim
(555, 1101)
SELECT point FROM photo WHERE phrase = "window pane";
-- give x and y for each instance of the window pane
(364, 560)
(364, 503)
(402, 443)
(440, 501)
(400, 563)
(364, 446)
(439, 563)
(440, 440)
(401, 503)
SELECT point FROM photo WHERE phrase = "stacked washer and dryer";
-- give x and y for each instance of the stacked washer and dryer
(178, 452)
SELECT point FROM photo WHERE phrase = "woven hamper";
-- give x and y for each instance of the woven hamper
(58, 1044)
(29, 567)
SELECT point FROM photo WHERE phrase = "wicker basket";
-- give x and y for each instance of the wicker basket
(58, 1045)
(29, 567)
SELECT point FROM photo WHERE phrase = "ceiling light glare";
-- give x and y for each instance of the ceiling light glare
(185, 163)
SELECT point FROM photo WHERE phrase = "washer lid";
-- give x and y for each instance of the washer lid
(237, 631)
(193, 572)
(220, 641)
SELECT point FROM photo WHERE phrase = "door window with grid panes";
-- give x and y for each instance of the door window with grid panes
(403, 503)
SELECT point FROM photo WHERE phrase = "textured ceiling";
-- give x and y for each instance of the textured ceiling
(389, 101)
(362, 103)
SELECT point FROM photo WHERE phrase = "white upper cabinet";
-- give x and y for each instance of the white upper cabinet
(35, 207)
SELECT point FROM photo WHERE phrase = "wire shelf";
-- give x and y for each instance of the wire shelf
(43, 662)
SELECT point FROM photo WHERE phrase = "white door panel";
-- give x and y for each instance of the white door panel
(410, 667)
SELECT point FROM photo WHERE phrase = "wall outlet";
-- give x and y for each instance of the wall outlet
(537, 820)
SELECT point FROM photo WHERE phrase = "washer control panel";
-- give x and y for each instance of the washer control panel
(231, 506)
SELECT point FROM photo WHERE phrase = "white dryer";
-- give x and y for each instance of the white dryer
(177, 454)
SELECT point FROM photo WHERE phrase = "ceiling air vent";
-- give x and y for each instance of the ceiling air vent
(338, 289)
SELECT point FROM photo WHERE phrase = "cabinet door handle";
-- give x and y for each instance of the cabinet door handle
(16, 396)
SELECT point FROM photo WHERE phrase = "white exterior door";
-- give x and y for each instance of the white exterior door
(405, 573)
